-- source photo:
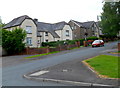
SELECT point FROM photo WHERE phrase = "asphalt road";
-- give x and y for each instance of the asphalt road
(12, 75)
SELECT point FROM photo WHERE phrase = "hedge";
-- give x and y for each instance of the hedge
(56, 43)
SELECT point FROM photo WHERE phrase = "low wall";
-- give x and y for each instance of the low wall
(2, 51)
(32, 51)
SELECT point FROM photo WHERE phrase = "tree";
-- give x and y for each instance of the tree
(1, 24)
(12, 41)
(110, 19)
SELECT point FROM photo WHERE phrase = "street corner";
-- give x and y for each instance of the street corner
(36, 76)
(69, 73)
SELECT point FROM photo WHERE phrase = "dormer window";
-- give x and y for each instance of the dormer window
(29, 29)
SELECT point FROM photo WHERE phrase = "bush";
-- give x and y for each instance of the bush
(0, 36)
(12, 41)
(56, 43)
(92, 38)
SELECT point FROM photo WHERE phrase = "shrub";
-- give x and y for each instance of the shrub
(12, 41)
(92, 38)
(56, 43)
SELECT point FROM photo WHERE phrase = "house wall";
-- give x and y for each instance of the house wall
(59, 32)
(63, 36)
(49, 37)
(82, 33)
(62, 33)
(97, 30)
(77, 32)
(33, 35)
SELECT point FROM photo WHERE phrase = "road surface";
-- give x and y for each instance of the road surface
(12, 75)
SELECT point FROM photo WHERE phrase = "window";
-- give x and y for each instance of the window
(38, 41)
(46, 33)
(75, 27)
(29, 41)
(46, 40)
(67, 32)
(72, 27)
(28, 29)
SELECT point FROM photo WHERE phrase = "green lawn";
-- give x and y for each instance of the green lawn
(105, 65)
(41, 54)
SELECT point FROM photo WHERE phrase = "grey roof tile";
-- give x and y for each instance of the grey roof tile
(17, 21)
(86, 25)
(41, 26)
(51, 28)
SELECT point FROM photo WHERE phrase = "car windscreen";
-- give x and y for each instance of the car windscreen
(96, 42)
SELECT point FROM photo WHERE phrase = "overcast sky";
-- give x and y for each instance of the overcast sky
(51, 11)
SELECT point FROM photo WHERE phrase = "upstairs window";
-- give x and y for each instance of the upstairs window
(67, 32)
(28, 29)
(74, 27)
(46, 33)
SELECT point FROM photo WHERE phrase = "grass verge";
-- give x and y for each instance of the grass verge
(41, 54)
(105, 66)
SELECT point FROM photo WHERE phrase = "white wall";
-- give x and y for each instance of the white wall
(62, 33)
(29, 22)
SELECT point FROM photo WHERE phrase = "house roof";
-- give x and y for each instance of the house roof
(17, 21)
(58, 26)
(51, 28)
(41, 26)
(86, 25)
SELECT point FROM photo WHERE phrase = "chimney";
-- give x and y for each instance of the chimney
(36, 20)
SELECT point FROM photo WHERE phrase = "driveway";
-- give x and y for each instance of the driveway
(13, 74)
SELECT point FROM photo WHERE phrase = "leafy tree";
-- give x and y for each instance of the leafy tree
(110, 19)
(1, 24)
(12, 41)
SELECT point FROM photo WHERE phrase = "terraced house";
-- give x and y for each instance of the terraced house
(84, 29)
(38, 32)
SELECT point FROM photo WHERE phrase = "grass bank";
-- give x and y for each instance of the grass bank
(41, 55)
(105, 65)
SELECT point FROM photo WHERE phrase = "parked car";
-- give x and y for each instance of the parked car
(98, 43)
